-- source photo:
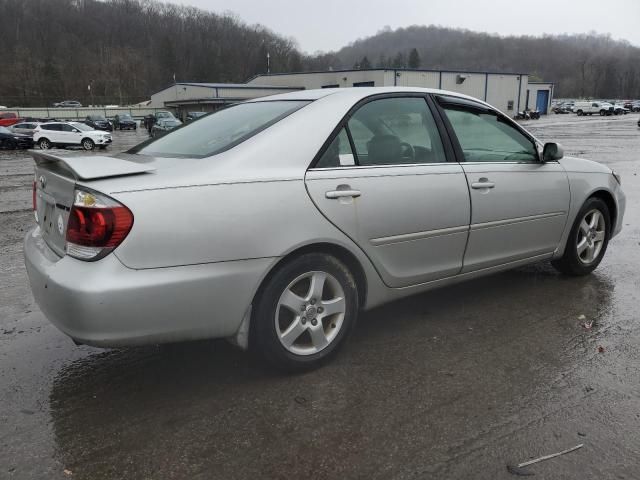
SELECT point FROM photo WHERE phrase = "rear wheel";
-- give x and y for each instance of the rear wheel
(587, 240)
(602, 113)
(580, 113)
(44, 144)
(305, 312)
(88, 144)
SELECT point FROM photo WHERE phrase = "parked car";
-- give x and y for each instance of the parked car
(11, 140)
(98, 122)
(635, 106)
(8, 118)
(24, 128)
(195, 115)
(620, 110)
(70, 134)
(589, 108)
(274, 221)
(164, 125)
(125, 122)
(68, 104)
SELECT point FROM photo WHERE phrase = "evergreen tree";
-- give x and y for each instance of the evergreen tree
(414, 58)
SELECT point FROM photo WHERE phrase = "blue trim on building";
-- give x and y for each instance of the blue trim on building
(428, 70)
(519, 93)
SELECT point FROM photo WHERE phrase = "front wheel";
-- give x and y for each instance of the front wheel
(88, 144)
(44, 144)
(587, 240)
(305, 312)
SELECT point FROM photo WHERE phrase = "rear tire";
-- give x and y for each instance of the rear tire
(580, 113)
(44, 144)
(602, 113)
(588, 239)
(304, 313)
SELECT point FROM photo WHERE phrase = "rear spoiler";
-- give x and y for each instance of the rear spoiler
(92, 167)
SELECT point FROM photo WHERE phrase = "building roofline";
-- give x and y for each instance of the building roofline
(240, 86)
(426, 70)
(541, 83)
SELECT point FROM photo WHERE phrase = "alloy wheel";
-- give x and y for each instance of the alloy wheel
(591, 236)
(310, 313)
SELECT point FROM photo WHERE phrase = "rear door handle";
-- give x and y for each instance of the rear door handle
(483, 183)
(333, 194)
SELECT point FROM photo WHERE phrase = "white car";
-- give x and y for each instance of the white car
(26, 128)
(589, 108)
(67, 134)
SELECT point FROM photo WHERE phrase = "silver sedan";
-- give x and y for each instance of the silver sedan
(275, 221)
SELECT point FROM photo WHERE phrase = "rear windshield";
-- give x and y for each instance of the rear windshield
(220, 131)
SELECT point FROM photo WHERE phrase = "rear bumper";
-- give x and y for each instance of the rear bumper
(106, 304)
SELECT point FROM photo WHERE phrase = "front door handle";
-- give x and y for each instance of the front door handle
(342, 193)
(483, 183)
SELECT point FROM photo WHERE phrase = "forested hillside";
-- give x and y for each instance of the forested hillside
(52, 50)
(586, 65)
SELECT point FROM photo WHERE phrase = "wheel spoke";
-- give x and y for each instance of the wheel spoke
(292, 301)
(292, 333)
(317, 285)
(584, 226)
(591, 250)
(582, 246)
(595, 218)
(318, 338)
(599, 237)
(333, 306)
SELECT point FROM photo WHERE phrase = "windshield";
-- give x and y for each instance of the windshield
(125, 116)
(164, 115)
(81, 126)
(220, 131)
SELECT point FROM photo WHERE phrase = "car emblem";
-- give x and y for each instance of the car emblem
(42, 181)
(60, 224)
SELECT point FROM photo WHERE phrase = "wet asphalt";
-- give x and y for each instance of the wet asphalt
(453, 384)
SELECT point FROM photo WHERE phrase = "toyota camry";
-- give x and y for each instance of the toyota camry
(274, 222)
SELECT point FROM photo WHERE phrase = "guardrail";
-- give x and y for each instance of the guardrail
(81, 113)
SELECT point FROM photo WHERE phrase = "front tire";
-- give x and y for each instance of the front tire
(304, 313)
(88, 144)
(588, 239)
(44, 144)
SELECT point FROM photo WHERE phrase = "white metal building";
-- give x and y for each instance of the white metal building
(539, 96)
(205, 97)
(506, 91)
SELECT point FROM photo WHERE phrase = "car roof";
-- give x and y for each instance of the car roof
(358, 93)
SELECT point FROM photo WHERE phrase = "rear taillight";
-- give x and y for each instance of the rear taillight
(97, 224)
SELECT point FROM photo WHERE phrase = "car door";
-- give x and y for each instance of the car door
(519, 204)
(384, 179)
(70, 134)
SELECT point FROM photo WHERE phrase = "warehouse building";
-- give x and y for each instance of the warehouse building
(206, 97)
(509, 92)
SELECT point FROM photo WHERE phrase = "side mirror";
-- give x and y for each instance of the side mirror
(552, 151)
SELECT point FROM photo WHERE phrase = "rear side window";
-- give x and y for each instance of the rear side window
(394, 131)
(53, 126)
(220, 131)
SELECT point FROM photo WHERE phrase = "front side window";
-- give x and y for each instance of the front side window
(486, 137)
(220, 131)
(397, 130)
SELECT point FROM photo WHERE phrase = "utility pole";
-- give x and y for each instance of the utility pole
(268, 63)
(90, 91)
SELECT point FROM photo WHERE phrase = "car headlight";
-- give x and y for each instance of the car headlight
(617, 176)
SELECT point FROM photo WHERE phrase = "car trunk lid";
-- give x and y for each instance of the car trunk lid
(54, 186)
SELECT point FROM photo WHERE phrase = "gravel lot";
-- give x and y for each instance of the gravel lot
(452, 384)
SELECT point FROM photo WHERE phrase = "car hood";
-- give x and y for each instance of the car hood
(582, 165)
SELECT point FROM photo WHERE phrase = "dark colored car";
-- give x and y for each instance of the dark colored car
(164, 125)
(11, 140)
(98, 122)
(194, 115)
(68, 104)
(124, 122)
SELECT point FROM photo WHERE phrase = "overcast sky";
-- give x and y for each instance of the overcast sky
(330, 24)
